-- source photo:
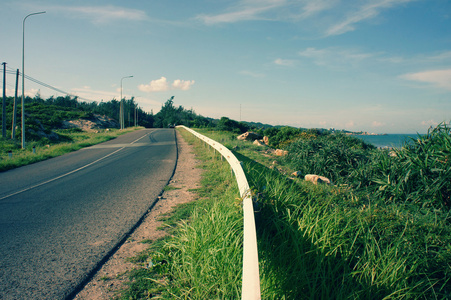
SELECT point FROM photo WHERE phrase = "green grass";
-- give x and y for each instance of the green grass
(72, 141)
(202, 258)
(343, 242)
(314, 241)
(229, 140)
(170, 188)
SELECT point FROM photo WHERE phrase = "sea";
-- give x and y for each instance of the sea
(388, 140)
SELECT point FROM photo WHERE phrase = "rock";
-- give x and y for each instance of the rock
(296, 173)
(316, 179)
(259, 143)
(94, 123)
(280, 152)
(249, 136)
(270, 151)
(266, 140)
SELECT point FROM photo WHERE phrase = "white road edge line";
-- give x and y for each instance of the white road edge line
(69, 173)
(61, 176)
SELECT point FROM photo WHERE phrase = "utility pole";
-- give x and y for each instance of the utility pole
(4, 102)
(135, 115)
(13, 128)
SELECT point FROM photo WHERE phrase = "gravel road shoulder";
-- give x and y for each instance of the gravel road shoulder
(111, 277)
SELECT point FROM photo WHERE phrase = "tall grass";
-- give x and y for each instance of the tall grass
(316, 243)
(419, 172)
(351, 241)
(348, 241)
(335, 156)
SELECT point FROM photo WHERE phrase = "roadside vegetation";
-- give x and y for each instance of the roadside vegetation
(382, 230)
(355, 239)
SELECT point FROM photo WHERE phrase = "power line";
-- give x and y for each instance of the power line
(12, 71)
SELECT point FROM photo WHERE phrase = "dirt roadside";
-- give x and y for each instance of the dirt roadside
(111, 277)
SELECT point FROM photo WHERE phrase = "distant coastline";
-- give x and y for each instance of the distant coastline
(387, 140)
(347, 132)
(364, 133)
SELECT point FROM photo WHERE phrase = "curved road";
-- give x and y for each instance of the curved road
(59, 218)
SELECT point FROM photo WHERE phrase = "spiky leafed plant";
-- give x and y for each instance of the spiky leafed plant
(335, 156)
(420, 172)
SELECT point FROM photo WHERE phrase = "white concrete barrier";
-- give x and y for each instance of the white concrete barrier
(251, 276)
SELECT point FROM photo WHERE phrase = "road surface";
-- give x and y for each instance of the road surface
(61, 217)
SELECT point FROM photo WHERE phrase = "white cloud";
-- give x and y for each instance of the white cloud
(429, 123)
(377, 124)
(350, 124)
(7, 91)
(183, 85)
(319, 56)
(438, 78)
(157, 85)
(246, 10)
(284, 62)
(315, 6)
(102, 14)
(336, 16)
(440, 57)
(162, 84)
(335, 57)
(274, 10)
(87, 93)
(369, 10)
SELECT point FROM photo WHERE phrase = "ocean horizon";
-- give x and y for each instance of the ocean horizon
(388, 140)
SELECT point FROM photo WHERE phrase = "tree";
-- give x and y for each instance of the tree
(167, 114)
(232, 125)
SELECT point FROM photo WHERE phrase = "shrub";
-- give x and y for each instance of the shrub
(227, 124)
(420, 172)
(335, 156)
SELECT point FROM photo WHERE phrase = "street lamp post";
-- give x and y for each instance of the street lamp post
(23, 75)
(121, 113)
(135, 113)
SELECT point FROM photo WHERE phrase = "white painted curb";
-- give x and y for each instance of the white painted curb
(251, 276)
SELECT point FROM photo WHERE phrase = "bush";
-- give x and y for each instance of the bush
(335, 156)
(420, 172)
(227, 124)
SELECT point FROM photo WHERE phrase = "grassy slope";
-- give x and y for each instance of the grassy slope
(332, 242)
(316, 242)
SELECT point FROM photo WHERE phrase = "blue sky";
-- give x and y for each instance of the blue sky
(380, 66)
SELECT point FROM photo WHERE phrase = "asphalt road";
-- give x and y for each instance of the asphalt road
(59, 218)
